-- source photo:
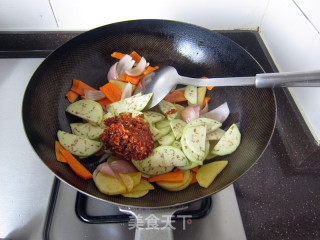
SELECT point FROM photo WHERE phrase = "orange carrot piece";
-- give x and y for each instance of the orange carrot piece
(205, 101)
(72, 96)
(117, 55)
(194, 178)
(175, 96)
(79, 87)
(58, 149)
(111, 92)
(104, 101)
(75, 165)
(167, 177)
(150, 69)
(195, 169)
(130, 79)
(209, 88)
(135, 56)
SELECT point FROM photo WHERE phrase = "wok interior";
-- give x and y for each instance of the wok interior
(194, 51)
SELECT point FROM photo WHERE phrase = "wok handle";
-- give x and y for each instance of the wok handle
(153, 224)
(289, 79)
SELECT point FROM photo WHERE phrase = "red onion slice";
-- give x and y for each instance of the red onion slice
(125, 64)
(204, 110)
(127, 91)
(190, 113)
(106, 169)
(123, 166)
(137, 70)
(94, 95)
(112, 74)
(220, 113)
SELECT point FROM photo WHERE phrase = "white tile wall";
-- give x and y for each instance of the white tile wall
(213, 14)
(294, 44)
(26, 15)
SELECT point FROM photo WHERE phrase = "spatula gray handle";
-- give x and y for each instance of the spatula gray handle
(290, 79)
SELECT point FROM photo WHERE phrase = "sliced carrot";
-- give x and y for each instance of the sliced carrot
(209, 88)
(104, 101)
(167, 177)
(117, 55)
(130, 79)
(135, 56)
(194, 178)
(75, 165)
(150, 69)
(176, 96)
(195, 169)
(79, 87)
(72, 96)
(111, 92)
(205, 101)
(58, 149)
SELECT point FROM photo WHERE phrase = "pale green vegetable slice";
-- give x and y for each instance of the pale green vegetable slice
(229, 142)
(86, 130)
(144, 166)
(88, 110)
(177, 126)
(167, 140)
(79, 146)
(216, 134)
(190, 94)
(176, 144)
(167, 156)
(168, 109)
(153, 117)
(162, 124)
(191, 155)
(196, 138)
(135, 103)
(211, 124)
(158, 133)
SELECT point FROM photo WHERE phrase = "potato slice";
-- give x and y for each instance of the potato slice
(142, 186)
(207, 173)
(127, 181)
(187, 178)
(109, 185)
(201, 93)
(137, 194)
(130, 180)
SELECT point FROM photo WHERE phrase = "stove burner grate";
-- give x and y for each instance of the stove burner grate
(196, 212)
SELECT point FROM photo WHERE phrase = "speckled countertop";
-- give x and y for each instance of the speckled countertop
(279, 198)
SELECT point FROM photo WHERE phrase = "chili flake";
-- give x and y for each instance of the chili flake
(127, 137)
(172, 111)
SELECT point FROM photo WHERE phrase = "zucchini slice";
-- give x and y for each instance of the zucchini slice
(86, 130)
(88, 110)
(168, 109)
(229, 142)
(79, 146)
(135, 103)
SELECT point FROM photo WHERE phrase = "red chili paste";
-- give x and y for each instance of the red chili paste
(127, 137)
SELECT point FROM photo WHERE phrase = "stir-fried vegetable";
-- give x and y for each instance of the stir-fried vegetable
(167, 145)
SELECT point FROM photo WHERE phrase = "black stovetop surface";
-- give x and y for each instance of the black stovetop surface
(279, 198)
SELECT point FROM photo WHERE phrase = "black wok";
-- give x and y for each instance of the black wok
(193, 51)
